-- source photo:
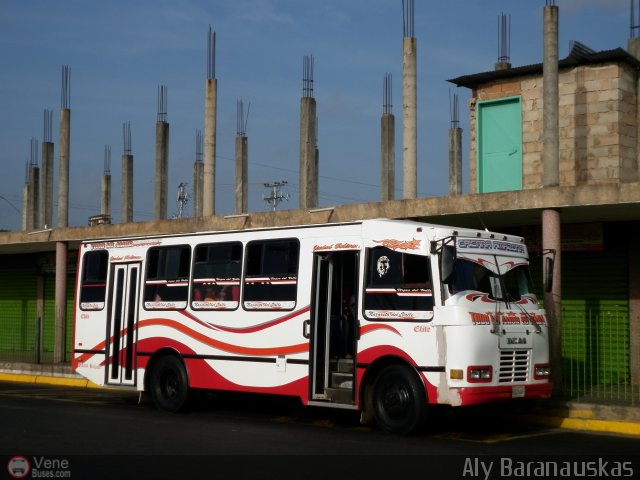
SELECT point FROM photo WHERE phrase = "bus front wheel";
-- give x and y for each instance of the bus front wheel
(170, 385)
(399, 400)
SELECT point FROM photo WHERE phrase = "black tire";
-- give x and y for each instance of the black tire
(170, 385)
(399, 400)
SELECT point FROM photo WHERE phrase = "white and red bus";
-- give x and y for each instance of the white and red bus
(382, 316)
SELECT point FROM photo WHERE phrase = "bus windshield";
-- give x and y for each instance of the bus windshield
(474, 276)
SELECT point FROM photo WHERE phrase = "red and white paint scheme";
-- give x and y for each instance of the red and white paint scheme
(382, 316)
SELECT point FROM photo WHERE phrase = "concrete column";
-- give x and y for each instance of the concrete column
(209, 181)
(60, 325)
(313, 197)
(242, 198)
(33, 200)
(388, 157)
(633, 46)
(308, 183)
(63, 176)
(161, 189)
(198, 178)
(551, 239)
(46, 186)
(39, 316)
(25, 205)
(455, 161)
(105, 200)
(126, 189)
(409, 118)
(550, 99)
(634, 303)
(34, 181)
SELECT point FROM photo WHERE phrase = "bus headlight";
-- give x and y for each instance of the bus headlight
(541, 371)
(477, 374)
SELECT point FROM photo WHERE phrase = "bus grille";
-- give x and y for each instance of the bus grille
(514, 366)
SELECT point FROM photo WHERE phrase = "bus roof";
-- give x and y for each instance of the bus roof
(438, 231)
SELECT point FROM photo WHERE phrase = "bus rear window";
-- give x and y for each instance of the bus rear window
(271, 275)
(93, 286)
(398, 286)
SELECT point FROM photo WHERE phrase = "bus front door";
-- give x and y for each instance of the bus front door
(333, 326)
(121, 331)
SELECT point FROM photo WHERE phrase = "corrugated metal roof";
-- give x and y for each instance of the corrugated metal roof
(579, 55)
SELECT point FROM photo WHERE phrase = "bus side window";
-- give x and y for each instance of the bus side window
(216, 276)
(167, 281)
(93, 286)
(271, 275)
(397, 281)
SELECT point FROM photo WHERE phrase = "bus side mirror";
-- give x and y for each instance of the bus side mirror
(447, 261)
(548, 274)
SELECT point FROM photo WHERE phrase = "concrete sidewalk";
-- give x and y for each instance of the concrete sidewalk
(557, 413)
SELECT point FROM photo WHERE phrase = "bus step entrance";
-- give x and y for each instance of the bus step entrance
(341, 380)
(342, 373)
(339, 395)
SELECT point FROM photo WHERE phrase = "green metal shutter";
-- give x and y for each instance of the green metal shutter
(595, 318)
(17, 315)
(595, 321)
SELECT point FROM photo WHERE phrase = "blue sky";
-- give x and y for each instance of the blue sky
(119, 52)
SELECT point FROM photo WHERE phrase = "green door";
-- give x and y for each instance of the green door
(499, 145)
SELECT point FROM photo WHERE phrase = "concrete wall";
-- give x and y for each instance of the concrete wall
(598, 125)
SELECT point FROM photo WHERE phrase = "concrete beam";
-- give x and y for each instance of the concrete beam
(611, 202)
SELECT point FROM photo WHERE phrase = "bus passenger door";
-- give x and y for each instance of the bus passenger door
(333, 326)
(123, 318)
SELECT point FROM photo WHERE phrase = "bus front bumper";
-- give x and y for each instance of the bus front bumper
(477, 395)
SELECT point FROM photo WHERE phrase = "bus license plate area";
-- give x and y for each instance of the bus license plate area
(515, 340)
(517, 391)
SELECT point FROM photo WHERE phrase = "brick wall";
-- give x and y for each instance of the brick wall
(597, 125)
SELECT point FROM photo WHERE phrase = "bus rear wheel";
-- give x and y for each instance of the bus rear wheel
(170, 385)
(399, 400)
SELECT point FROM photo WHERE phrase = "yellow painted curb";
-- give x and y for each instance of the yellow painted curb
(588, 424)
(608, 426)
(47, 380)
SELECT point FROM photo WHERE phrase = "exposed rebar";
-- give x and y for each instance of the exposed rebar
(454, 110)
(387, 94)
(33, 159)
(107, 160)
(126, 137)
(504, 38)
(307, 76)
(634, 20)
(211, 54)
(242, 118)
(65, 94)
(408, 18)
(48, 126)
(199, 146)
(162, 103)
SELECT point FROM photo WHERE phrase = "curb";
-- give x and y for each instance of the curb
(583, 424)
(48, 380)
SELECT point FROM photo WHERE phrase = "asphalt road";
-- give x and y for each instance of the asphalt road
(109, 434)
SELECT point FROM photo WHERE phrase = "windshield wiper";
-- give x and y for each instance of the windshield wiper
(508, 298)
(527, 314)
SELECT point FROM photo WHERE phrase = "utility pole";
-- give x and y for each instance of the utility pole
(182, 199)
(276, 195)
